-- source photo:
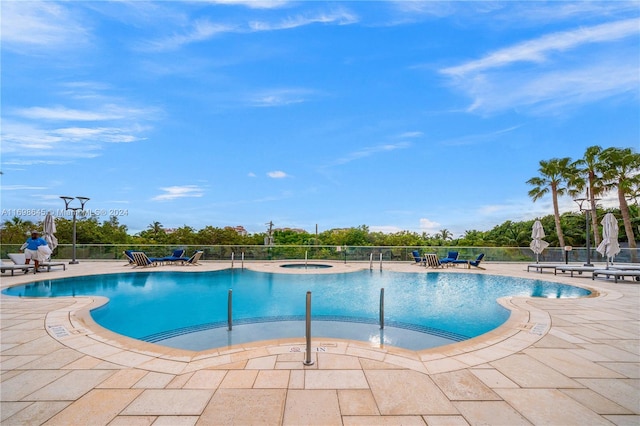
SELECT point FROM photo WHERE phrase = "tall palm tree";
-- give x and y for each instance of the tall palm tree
(554, 175)
(621, 169)
(445, 234)
(588, 167)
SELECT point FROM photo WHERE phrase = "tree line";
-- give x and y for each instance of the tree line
(507, 234)
(597, 173)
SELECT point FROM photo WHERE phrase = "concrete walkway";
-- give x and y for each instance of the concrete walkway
(555, 362)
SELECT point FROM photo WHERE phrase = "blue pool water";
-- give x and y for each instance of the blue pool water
(189, 309)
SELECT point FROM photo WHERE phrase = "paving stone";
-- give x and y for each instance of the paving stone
(394, 397)
(169, 402)
(551, 407)
(245, 407)
(99, 406)
(312, 407)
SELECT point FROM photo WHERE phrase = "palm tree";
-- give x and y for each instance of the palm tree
(621, 169)
(554, 174)
(589, 167)
(445, 234)
(155, 228)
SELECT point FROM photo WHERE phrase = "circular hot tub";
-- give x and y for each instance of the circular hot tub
(305, 266)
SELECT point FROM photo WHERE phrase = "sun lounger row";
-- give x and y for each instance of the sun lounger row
(615, 271)
(139, 258)
(431, 260)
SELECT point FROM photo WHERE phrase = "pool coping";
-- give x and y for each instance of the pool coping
(73, 327)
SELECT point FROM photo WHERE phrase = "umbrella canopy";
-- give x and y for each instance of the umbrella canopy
(49, 231)
(609, 246)
(538, 244)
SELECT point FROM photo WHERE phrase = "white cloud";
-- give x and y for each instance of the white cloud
(174, 192)
(251, 175)
(277, 174)
(279, 97)
(253, 4)
(429, 226)
(369, 151)
(385, 229)
(198, 31)
(340, 17)
(41, 26)
(537, 50)
(533, 75)
(22, 188)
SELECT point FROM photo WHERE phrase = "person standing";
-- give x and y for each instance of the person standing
(31, 249)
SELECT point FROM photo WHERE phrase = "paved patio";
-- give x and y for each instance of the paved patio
(555, 362)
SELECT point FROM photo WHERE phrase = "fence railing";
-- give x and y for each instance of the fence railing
(335, 253)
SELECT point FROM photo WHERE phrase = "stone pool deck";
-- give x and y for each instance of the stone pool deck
(555, 362)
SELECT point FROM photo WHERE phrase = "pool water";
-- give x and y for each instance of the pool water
(189, 309)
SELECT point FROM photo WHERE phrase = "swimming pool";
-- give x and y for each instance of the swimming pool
(189, 309)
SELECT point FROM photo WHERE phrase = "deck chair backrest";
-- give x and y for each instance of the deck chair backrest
(141, 259)
(452, 255)
(432, 261)
(129, 255)
(416, 256)
(195, 258)
(178, 253)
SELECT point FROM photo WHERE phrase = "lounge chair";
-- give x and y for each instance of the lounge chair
(470, 263)
(13, 267)
(141, 259)
(193, 260)
(539, 267)
(129, 255)
(574, 268)
(431, 261)
(416, 256)
(175, 257)
(451, 257)
(20, 260)
(616, 273)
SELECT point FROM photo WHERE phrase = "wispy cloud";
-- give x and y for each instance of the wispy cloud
(40, 26)
(253, 4)
(197, 31)
(535, 75)
(279, 97)
(538, 50)
(478, 138)
(277, 174)
(339, 17)
(369, 151)
(60, 113)
(174, 192)
(22, 188)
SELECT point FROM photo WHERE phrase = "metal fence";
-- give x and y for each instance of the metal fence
(335, 253)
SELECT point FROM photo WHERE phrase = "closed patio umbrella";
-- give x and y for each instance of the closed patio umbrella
(538, 244)
(609, 246)
(49, 231)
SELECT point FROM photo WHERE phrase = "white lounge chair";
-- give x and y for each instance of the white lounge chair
(20, 260)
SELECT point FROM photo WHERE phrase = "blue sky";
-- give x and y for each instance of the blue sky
(399, 115)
